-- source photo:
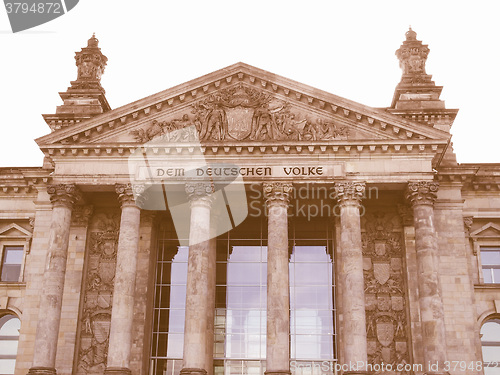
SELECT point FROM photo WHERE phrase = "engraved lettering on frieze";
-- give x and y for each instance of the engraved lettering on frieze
(241, 113)
(98, 295)
(385, 296)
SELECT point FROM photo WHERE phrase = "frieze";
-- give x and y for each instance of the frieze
(95, 320)
(385, 293)
(241, 113)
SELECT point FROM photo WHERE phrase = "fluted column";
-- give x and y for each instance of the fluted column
(277, 197)
(122, 312)
(63, 198)
(349, 196)
(197, 289)
(422, 195)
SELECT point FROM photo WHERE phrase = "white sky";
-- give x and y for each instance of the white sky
(343, 47)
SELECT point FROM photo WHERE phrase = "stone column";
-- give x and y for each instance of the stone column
(349, 196)
(197, 289)
(422, 195)
(63, 198)
(209, 364)
(278, 289)
(212, 281)
(122, 312)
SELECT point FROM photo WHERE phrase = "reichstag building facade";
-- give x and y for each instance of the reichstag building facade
(244, 223)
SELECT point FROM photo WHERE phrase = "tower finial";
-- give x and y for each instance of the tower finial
(93, 42)
(410, 34)
(412, 56)
(90, 62)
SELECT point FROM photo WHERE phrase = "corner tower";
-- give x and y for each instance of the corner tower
(85, 98)
(416, 96)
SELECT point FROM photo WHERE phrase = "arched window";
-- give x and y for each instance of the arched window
(9, 338)
(490, 342)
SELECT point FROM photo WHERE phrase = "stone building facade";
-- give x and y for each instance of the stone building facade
(244, 223)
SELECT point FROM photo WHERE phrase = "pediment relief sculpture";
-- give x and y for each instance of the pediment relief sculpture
(241, 113)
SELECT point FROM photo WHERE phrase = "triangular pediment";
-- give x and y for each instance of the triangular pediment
(244, 104)
(14, 231)
(487, 231)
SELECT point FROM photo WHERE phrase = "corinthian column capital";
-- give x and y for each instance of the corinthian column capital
(64, 195)
(130, 195)
(277, 193)
(200, 193)
(350, 193)
(422, 192)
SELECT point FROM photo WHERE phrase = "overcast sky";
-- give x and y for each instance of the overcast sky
(343, 47)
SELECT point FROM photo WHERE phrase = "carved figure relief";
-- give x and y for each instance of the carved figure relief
(241, 113)
(95, 321)
(386, 317)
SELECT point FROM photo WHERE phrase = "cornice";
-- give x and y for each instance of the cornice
(358, 147)
(473, 177)
(376, 119)
(426, 116)
(23, 181)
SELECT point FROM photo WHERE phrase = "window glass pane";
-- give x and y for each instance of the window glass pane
(490, 257)
(8, 347)
(169, 309)
(13, 255)
(311, 300)
(310, 253)
(246, 253)
(172, 367)
(312, 297)
(487, 275)
(11, 272)
(175, 345)
(178, 296)
(9, 331)
(244, 273)
(245, 322)
(11, 263)
(496, 275)
(491, 354)
(311, 274)
(7, 366)
(9, 326)
(176, 321)
(245, 297)
(312, 347)
(179, 273)
(312, 322)
(490, 331)
(490, 339)
(494, 370)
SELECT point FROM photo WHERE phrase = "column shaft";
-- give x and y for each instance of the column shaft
(122, 312)
(278, 289)
(422, 196)
(209, 362)
(349, 195)
(44, 356)
(197, 288)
